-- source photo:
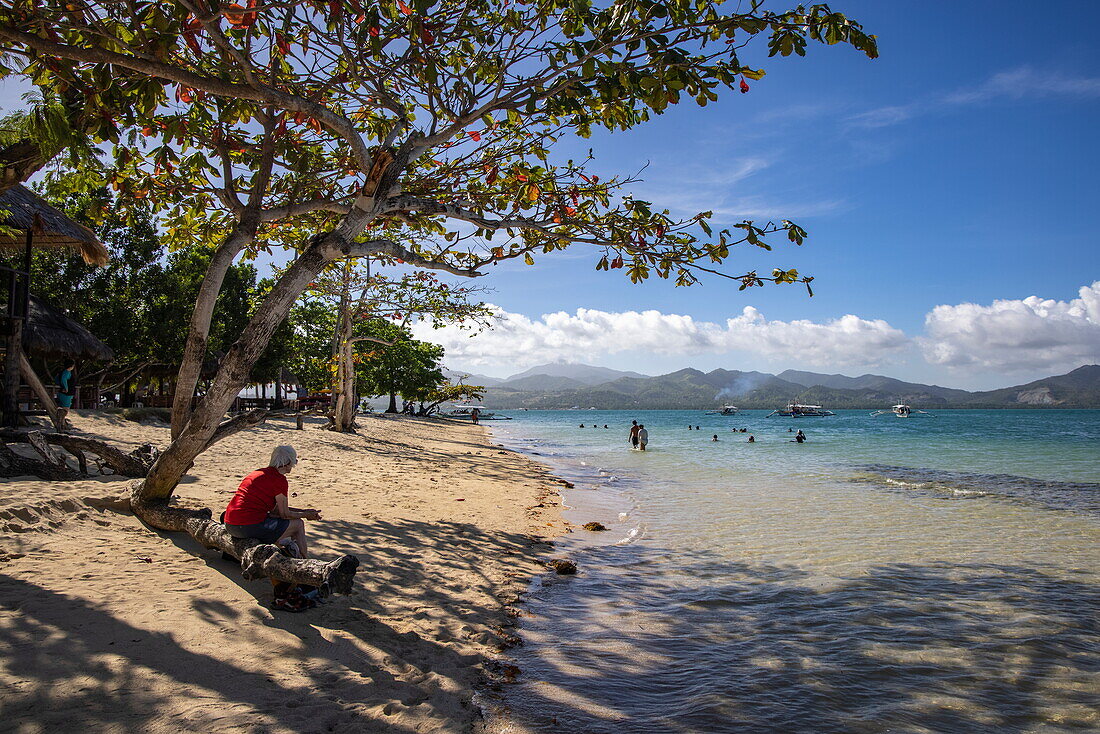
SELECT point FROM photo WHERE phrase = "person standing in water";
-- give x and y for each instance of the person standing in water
(643, 437)
(634, 428)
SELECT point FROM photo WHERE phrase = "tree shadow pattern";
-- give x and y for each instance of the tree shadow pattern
(720, 646)
(401, 654)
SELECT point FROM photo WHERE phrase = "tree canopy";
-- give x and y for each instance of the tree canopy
(432, 119)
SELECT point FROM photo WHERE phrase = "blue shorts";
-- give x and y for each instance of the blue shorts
(268, 531)
(64, 401)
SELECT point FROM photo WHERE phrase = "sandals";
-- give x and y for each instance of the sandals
(292, 603)
(292, 599)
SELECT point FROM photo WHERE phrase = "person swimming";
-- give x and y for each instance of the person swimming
(715, 438)
(752, 439)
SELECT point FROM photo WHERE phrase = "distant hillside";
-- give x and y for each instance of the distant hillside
(1077, 389)
(903, 391)
(542, 382)
(585, 374)
(691, 389)
(471, 379)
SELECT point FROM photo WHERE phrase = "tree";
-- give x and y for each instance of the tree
(405, 132)
(402, 366)
(449, 393)
(358, 297)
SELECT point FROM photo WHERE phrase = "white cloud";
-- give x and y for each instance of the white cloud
(588, 334)
(1026, 82)
(1016, 335)
(1023, 82)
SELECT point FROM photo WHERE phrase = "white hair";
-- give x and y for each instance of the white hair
(283, 456)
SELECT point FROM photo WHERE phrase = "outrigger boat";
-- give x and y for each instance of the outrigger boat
(726, 410)
(798, 410)
(465, 413)
(901, 410)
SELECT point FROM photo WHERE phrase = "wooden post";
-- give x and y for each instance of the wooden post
(27, 279)
(11, 371)
(39, 389)
(299, 426)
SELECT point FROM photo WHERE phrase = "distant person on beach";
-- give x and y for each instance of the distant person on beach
(475, 414)
(643, 437)
(259, 509)
(634, 428)
(66, 390)
(752, 439)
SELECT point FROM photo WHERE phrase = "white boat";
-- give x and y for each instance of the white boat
(464, 412)
(801, 410)
(901, 410)
(725, 410)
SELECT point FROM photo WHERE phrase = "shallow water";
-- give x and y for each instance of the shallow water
(936, 573)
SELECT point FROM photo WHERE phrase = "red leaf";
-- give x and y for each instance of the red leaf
(426, 35)
(660, 230)
(617, 263)
(403, 8)
(744, 86)
(282, 43)
(476, 136)
(192, 42)
(492, 177)
(521, 177)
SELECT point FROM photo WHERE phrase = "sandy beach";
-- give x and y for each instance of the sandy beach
(106, 625)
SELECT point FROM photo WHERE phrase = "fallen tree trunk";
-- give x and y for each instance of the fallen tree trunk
(258, 559)
(14, 465)
(135, 464)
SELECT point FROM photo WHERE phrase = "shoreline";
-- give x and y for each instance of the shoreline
(108, 625)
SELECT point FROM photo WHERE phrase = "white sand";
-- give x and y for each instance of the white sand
(106, 625)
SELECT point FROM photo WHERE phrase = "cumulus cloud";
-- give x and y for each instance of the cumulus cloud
(1028, 334)
(588, 333)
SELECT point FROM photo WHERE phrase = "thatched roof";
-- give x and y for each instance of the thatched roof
(23, 210)
(52, 334)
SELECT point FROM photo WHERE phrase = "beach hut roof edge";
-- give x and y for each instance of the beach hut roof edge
(22, 209)
(52, 334)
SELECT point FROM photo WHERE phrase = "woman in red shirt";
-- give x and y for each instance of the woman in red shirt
(259, 509)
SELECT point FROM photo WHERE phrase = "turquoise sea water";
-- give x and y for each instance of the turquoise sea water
(935, 573)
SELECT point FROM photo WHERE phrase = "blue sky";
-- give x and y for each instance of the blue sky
(957, 168)
(949, 189)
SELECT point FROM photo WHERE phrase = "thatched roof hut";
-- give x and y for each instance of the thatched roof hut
(51, 334)
(21, 209)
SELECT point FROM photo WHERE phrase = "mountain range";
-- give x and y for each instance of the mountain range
(561, 385)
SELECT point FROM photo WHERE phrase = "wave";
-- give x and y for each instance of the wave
(1081, 497)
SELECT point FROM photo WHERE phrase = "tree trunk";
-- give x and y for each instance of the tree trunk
(233, 373)
(194, 351)
(134, 464)
(342, 412)
(393, 403)
(14, 465)
(258, 559)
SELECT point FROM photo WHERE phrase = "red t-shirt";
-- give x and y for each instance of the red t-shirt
(255, 497)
